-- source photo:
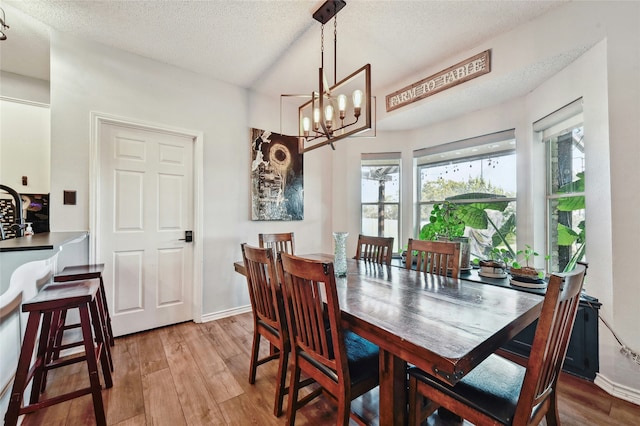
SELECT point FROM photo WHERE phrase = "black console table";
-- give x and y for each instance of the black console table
(582, 358)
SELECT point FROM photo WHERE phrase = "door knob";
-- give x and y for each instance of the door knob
(188, 237)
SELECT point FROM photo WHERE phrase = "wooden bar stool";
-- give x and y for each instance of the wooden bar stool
(88, 272)
(52, 299)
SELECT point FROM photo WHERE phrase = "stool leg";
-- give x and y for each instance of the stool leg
(109, 333)
(22, 371)
(102, 314)
(92, 366)
(40, 370)
(104, 350)
(58, 319)
(62, 319)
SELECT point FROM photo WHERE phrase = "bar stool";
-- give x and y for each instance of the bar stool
(52, 299)
(88, 272)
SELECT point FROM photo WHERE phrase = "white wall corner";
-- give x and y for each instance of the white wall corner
(225, 313)
(618, 390)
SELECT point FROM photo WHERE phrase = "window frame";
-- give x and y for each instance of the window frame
(383, 159)
(501, 143)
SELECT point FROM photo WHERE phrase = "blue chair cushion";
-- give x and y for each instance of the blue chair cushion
(493, 387)
(362, 356)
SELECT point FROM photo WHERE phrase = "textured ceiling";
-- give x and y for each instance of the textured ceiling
(273, 47)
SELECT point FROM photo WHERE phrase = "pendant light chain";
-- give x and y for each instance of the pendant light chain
(322, 46)
(335, 49)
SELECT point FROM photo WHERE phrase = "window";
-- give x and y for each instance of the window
(479, 174)
(564, 140)
(380, 196)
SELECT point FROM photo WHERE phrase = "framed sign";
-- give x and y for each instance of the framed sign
(459, 73)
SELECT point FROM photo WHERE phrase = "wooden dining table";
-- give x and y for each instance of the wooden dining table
(443, 325)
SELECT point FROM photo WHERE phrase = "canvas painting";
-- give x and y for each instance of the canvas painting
(276, 177)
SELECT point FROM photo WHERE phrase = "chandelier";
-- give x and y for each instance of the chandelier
(3, 25)
(338, 111)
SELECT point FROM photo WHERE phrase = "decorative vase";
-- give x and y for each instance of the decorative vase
(340, 253)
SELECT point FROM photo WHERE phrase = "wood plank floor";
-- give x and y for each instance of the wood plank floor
(197, 374)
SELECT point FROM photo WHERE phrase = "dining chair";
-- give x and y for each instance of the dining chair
(344, 364)
(269, 320)
(283, 241)
(436, 257)
(499, 391)
(375, 249)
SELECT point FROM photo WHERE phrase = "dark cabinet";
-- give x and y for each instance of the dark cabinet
(582, 353)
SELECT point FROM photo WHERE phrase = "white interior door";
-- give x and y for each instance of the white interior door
(145, 206)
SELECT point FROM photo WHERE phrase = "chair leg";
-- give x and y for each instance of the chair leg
(293, 394)
(344, 409)
(552, 415)
(281, 385)
(255, 349)
(414, 402)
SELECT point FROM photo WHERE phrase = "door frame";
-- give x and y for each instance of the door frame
(98, 119)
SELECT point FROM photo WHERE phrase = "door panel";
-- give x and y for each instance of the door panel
(145, 207)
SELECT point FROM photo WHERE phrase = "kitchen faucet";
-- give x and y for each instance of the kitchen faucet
(18, 219)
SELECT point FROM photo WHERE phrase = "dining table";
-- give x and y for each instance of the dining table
(443, 325)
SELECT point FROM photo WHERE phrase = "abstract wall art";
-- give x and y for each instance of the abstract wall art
(276, 177)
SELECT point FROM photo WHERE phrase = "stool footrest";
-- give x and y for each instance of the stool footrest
(62, 362)
(54, 400)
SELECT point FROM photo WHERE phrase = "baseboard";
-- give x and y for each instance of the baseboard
(226, 313)
(619, 391)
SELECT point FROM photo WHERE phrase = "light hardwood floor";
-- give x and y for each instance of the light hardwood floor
(197, 374)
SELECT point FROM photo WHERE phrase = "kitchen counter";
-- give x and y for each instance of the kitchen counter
(44, 241)
(16, 252)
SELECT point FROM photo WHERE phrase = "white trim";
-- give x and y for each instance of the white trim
(226, 313)
(619, 391)
(25, 102)
(99, 118)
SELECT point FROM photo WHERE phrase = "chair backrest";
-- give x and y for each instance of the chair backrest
(375, 249)
(281, 242)
(434, 256)
(264, 289)
(313, 315)
(550, 343)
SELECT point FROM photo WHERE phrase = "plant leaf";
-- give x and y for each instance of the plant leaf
(566, 235)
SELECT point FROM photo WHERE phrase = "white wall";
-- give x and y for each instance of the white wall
(24, 145)
(88, 77)
(607, 77)
(18, 86)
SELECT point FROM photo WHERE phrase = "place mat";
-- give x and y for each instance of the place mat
(528, 283)
(492, 274)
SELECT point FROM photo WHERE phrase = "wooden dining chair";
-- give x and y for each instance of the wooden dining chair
(343, 363)
(436, 257)
(499, 391)
(269, 319)
(283, 241)
(375, 249)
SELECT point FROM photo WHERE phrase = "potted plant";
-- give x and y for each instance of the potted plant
(445, 224)
(496, 265)
(526, 273)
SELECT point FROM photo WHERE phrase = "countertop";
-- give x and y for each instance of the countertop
(44, 241)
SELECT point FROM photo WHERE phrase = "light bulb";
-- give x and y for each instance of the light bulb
(342, 105)
(357, 102)
(316, 118)
(306, 126)
(328, 116)
(357, 98)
